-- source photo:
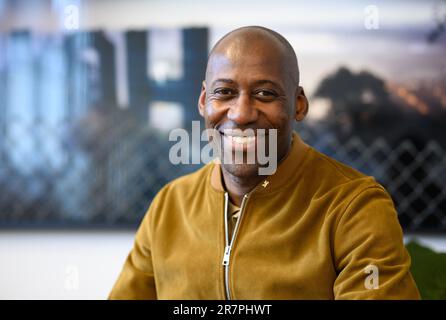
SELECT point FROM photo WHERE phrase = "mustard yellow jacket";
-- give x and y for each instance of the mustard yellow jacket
(317, 229)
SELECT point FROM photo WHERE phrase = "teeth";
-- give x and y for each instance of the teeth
(243, 140)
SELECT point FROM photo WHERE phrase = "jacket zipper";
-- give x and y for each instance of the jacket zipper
(230, 242)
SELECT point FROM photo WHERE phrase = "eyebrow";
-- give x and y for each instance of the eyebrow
(224, 80)
(257, 82)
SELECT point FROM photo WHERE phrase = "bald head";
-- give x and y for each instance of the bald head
(254, 40)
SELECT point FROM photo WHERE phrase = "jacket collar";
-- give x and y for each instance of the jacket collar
(285, 169)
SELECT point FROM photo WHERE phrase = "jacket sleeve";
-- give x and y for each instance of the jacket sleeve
(369, 254)
(136, 280)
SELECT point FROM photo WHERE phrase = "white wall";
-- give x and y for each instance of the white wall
(75, 264)
(61, 264)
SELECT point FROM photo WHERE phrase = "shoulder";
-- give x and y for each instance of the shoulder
(332, 167)
(328, 174)
(340, 185)
(174, 196)
(356, 196)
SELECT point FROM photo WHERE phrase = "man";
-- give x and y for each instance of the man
(314, 229)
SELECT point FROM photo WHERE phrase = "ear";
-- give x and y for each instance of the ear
(202, 99)
(301, 104)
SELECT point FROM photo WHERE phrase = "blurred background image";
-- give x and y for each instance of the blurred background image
(89, 91)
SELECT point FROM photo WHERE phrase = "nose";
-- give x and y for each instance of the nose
(242, 110)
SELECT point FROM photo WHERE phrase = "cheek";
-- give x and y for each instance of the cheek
(213, 113)
(279, 117)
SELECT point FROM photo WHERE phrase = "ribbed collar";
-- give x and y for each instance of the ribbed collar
(286, 168)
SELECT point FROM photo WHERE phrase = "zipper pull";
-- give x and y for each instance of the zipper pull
(226, 255)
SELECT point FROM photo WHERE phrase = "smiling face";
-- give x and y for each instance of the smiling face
(251, 83)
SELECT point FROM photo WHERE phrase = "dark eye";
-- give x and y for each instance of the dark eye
(266, 94)
(223, 91)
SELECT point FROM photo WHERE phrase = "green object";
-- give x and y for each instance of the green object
(429, 271)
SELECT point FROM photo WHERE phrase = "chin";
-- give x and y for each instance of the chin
(242, 170)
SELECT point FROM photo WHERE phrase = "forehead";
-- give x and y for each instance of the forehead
(244, 61)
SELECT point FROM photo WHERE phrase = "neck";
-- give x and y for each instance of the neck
(237, 187)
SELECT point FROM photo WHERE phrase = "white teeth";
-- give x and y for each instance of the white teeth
(243, 140)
